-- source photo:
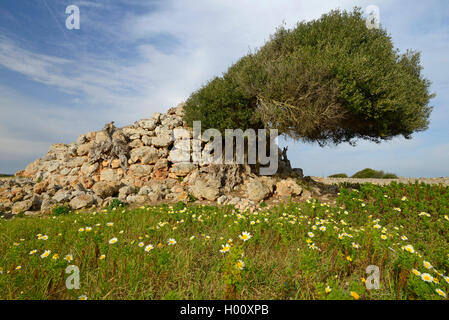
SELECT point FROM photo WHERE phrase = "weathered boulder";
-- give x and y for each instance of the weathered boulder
(256, 190)
(144, 155)
(112, 175)
(287, 188)
(81, 201)
(204, 189)
(181, 169)
(62, 196)
(40, 187)
(26, 205)
(140, 170)
(105, 189)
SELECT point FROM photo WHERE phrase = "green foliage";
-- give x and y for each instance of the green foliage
(373, 174)
(339, 175)
(179, 205)
(221, 105)
(329, 80)
(115, 204)
(59, 210)
(192, 198)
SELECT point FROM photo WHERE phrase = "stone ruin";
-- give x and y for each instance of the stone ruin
(136, 164)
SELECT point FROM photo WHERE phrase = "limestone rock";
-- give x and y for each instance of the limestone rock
(82, 201)
(203, 189)
(40, 187)
(257, 191)
(182, 169)
(26, 205)
(105, 189)
(112, 175)
(144, 155)
(287, 188)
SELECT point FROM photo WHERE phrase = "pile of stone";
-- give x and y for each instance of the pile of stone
(138, 165)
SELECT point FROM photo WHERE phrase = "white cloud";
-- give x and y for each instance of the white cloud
(209, 35)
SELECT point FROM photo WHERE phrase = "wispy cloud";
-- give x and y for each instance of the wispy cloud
(134, 57)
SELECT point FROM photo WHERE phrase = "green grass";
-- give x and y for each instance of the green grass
(281, 259)
(2, 175)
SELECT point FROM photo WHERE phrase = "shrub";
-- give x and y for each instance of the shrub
(373, 174)
(329, 80)
(339, 175)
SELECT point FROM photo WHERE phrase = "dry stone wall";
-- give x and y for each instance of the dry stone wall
(136, 164)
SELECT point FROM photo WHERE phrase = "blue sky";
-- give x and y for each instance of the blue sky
(131, 58)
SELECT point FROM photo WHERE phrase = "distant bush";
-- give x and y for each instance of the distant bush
(339, 175)
(369, 173)
(2, 175)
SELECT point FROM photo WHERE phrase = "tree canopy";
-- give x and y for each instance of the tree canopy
(329, 80)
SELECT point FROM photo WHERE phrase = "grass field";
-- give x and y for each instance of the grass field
(293, 251)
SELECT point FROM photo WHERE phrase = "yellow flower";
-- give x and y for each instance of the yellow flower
(33, 252)
(245, 236)
(355, 295)
(225, 248)
(310, 234)
(409, 248)
(83, 297)
(427, 264)
(102, 257)
(383, 237)
(441, 292)
(240, 265)
(171, 242)
(348, 258)
(18, 267)
(113, 240)
(328, 289)
(68, 258)
(55, 256)
(149, 247)
(141, 244)
(416, 272)
(45, 254)
(426, 277)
